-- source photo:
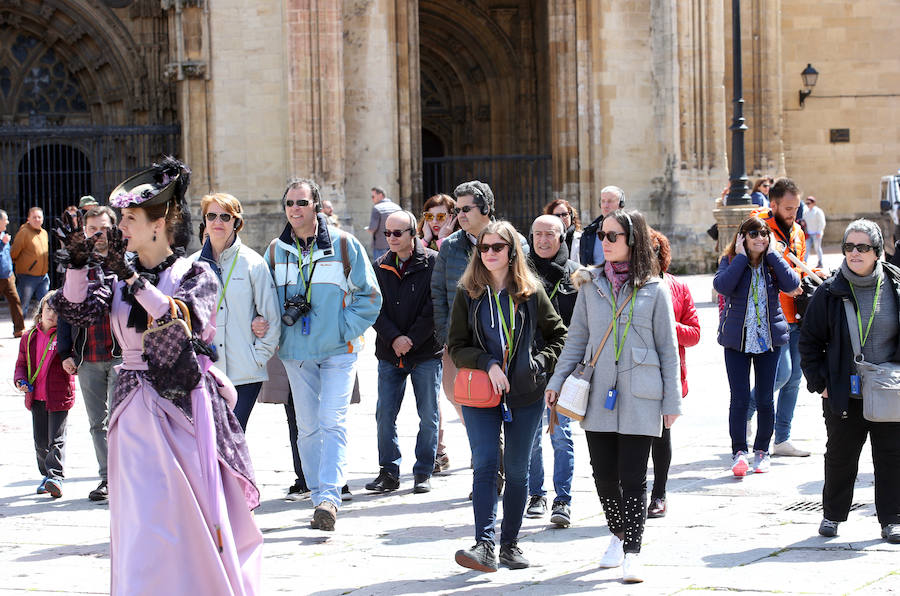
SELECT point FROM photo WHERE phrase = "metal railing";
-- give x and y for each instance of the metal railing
(522, 184)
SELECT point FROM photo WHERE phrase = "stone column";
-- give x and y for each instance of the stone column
(315, 94)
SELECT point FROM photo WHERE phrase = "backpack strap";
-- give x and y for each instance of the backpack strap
(345, 258)
(272, 254)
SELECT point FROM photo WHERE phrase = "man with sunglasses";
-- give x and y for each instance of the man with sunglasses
(329, 296)
(406, 347)
(591, 248)
(784, 200)
(381, 208)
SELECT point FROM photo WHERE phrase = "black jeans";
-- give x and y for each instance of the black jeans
(846, 437)
(737, 366)
(246, 399)
(292, 433)
(49, 439)
(662, 458)
(620, 474)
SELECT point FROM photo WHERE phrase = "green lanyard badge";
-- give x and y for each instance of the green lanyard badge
(508, 330)
(227, 279)
(37, 371)
(307, 280)
(619, 344)
(863, 338)
(555, 289)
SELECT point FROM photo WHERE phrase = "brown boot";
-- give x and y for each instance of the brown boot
(324, 517)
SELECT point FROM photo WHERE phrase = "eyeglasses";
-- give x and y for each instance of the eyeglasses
(754, 234)
(497, 247)
(465, 209)
(611, 236)
(211, 217)
(396, 233)
(438, 216)
(299, 203)
(848, 247)
(765, 185)
(563, 214)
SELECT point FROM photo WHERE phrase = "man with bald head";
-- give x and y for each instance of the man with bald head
(591, 250)
(549, 255)
(406, 346)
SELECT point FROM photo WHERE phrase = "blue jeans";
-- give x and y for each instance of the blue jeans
(483, 428)
(31, 286)
(737, 365)
(563, 460)
(246, 399)
(787, 383)
(321, 390)
(426, 379)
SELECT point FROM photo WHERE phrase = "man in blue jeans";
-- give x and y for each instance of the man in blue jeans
(549, 256)
(406, 347)
(329, 296)
(31, 254)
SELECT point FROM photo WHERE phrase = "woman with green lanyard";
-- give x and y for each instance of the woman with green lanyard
(246, 291)
(871, 289)
(751, 273)
(500, 311)
(49, 394)
(635, 387)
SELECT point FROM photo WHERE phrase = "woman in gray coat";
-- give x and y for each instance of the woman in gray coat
(635, 387)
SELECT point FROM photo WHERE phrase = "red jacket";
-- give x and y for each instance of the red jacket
(687, 326)
(60, 384)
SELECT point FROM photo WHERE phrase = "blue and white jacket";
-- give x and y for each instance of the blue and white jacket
(342, 307)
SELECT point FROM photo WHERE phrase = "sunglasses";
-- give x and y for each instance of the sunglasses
(396, 233)
(465, 209)
(497, 247)
(611, 236)
(848, 247)
(225, 217)
(563, 214)
(432, 216)
(754, 234)
(299, 203)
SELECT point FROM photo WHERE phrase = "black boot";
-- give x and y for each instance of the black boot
(480, 557)
(384, 483)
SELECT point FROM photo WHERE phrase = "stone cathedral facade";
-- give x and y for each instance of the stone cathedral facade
(541, 98)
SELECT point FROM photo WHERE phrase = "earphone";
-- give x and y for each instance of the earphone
(622, 202)
(483, 207)
(630, 228)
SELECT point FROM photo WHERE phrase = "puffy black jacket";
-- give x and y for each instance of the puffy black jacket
(406, 307)
(588, 238)
(826, 354)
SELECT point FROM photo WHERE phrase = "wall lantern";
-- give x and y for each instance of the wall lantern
(809, 75)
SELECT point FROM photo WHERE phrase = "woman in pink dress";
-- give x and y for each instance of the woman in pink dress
(180, 477)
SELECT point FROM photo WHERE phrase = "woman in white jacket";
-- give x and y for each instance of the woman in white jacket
(246, 290)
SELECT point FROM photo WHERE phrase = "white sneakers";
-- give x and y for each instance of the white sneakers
(787, 449)
(761, 462)
(632, 572)
(739, 465)
(615, 553)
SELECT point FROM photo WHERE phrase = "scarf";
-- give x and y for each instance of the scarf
(137, 317)
(617, 274)
(551, 270)
(860, 281)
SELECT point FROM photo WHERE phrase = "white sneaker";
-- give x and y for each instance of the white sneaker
(632, 571)
(761, 462)
(739, 465)
(787, 449)
(615, 554)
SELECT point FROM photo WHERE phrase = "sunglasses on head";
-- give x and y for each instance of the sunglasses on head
(299, 202)
(211, 217)
(611, 236)
(465, 209)
(431, 216)
(396, 233)
(497, 247)
(754, 234)
(848, 247)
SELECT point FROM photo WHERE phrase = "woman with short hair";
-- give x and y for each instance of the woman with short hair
(438, 220)
(872, 288)
(635, 390)
(246, 290)
(499, 310)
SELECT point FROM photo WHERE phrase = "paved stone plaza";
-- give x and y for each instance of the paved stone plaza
(721, 534)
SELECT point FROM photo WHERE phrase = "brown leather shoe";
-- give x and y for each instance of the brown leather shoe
(324, 517)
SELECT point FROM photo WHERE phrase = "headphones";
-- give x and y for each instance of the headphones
(630, 227)
(483, 207)
(622, 201)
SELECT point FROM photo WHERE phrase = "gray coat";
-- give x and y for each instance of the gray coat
(647, 377)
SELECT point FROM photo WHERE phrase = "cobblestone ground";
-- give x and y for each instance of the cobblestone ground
(721, 534)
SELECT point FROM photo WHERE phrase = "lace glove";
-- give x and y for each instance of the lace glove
(116, 259)
(74, 249)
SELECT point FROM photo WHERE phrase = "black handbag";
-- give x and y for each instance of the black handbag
(168, 349)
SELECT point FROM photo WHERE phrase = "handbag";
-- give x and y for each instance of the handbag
(573, 396)
(168, 349)
(879, 383)
(472, 387)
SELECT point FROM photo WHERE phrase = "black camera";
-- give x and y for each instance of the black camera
(294, 308)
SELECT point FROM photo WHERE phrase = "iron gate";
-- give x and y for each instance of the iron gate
(52, 167)
(521, 183)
